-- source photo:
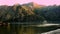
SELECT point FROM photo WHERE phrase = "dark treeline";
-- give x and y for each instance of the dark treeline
(50, 13)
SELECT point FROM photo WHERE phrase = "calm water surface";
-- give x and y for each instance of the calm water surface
(24, 29)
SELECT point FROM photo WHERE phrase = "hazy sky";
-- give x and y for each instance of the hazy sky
(42, 2)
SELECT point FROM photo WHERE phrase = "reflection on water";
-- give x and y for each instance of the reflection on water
(21, 29)
(57, 31)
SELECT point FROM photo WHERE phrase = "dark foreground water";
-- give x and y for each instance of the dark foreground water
(25, 29)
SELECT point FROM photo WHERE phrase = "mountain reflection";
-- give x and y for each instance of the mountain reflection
(25, 29)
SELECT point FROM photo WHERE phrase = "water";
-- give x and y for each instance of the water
(26, 29)
(57, 31)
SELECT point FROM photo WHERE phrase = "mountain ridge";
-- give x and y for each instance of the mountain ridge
(33, 5)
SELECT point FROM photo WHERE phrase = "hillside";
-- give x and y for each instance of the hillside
(18, 13)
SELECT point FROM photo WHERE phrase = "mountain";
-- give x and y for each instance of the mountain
(30, 12)
(18, 13)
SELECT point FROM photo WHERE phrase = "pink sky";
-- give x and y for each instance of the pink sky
(42, 2)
